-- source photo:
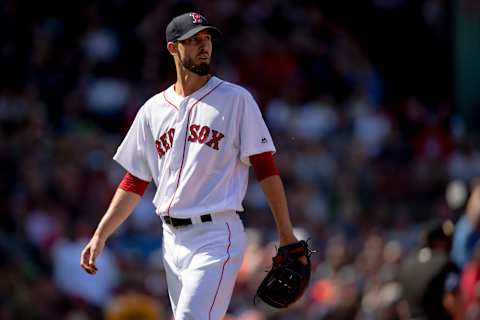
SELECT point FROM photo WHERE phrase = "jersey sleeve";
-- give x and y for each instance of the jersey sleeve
(132, 152)
(254, 135)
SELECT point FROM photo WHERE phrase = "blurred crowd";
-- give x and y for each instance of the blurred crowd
(364, 173)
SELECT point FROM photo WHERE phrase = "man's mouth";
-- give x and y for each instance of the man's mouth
(204, 56)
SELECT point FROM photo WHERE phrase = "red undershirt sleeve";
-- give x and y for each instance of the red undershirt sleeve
(133, 184)
(263, 165)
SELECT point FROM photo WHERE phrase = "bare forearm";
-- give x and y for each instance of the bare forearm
(121, 206)
(275, 194)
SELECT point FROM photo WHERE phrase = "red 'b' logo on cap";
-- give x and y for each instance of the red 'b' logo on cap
(197, 18)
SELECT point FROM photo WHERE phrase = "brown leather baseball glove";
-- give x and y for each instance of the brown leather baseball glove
(288, 279)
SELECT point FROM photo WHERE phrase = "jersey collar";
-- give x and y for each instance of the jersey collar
(173, 98)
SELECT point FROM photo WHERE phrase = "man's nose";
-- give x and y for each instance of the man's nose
(203, 43)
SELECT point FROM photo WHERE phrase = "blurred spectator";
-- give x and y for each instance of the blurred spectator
(101, 45)
(132, 305)
(466, 233)
(69, 276)
(470, 281)
(371, 128)
(464, 163)
(426, 276)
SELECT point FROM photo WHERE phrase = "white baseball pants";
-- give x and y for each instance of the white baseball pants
(201, 265)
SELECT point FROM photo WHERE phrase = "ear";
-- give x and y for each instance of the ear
(172, 48)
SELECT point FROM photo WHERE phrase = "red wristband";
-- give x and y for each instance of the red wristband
(133, 184)
(263, 165)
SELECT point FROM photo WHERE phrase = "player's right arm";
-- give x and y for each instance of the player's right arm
(132, 155)
(125, 199)
(120, 208)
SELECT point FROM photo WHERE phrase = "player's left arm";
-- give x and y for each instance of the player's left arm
(272, 186)
(275, 194)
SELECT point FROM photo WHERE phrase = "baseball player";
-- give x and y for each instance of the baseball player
(196, 140)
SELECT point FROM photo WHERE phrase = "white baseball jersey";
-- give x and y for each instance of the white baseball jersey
(196, 148)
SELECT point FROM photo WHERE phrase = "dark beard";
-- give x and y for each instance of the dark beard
(201, 69)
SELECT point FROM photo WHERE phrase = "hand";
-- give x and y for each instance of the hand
(289, 239)
(289, 276)
(91, 251)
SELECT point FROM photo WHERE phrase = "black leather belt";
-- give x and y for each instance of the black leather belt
(180, 222)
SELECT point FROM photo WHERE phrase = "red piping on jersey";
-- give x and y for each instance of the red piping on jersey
(185, 144)
(223, 269)
(165, 97)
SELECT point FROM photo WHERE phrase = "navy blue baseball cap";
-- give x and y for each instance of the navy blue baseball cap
(186, 25)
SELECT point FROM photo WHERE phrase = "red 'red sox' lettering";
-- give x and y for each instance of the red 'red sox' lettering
(196, 133)
(202, 134)
(163, 139)
(205, 135)
(216, 137)
(202, 137)
(193, 137)
(160, 151)
(165, 142)
(171, 134)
